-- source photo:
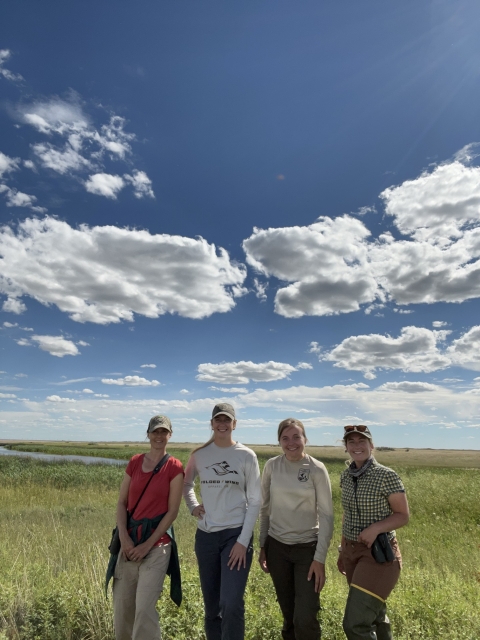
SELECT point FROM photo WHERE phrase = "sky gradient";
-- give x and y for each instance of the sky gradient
(268, 203)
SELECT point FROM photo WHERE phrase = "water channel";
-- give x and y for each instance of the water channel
(49, 457)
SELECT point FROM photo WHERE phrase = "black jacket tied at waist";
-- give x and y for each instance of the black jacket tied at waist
(148, 526)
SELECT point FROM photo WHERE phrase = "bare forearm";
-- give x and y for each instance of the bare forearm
(122, 518)
(163, 525)
(393, 521)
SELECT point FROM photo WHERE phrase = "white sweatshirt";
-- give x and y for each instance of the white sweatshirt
(229, 486)
(297, 503)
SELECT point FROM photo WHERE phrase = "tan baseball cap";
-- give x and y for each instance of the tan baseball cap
(159, 422)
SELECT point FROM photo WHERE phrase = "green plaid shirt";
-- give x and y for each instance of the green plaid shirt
(373, 489)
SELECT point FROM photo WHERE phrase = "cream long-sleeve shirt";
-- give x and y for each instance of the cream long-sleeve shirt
(229, 486)
(297, 503)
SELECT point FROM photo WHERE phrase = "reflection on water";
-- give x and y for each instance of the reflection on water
(57, 458)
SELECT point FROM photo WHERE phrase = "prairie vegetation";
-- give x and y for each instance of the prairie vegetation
(57, 519)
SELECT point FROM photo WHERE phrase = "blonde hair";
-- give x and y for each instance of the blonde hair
(202, 446)
(288, 422)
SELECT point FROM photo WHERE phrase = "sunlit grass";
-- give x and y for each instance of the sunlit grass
(57, 519)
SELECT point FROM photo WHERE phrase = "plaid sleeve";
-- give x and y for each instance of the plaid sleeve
(392, 484)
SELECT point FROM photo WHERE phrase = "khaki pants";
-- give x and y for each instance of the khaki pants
(136, 589)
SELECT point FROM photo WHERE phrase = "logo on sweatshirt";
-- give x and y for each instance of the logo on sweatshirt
(221, 468)
(303, 474)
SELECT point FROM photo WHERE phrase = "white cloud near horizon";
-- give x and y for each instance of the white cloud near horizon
(131, 381)
(244, 371)
(108, 274)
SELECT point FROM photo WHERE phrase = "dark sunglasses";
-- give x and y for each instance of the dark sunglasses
(356, 427)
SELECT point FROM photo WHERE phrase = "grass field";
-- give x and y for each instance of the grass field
(57, 518)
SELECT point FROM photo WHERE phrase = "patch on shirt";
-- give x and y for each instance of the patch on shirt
(221, 468)
(303, 474)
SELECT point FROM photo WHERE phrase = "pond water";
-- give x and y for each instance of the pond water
(57, 458)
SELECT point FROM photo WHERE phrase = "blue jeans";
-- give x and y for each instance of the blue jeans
(223, 588)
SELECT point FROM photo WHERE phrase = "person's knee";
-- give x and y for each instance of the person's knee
(232, 608)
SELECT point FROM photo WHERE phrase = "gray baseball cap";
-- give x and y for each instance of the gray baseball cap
(225, 409)
(158, 422)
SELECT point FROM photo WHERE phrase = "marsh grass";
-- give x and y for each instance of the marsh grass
(57, 519)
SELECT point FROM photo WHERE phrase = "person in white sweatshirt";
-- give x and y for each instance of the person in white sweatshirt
(296, 526)
(231, 499)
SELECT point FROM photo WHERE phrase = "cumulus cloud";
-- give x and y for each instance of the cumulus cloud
(336, 266)
(131, 381)
(75, 146)
(104, 184)
(87, 391)
(59, 399)
(415, 350)
(4, 72)
(7, 164)
(465, 351)
(229, 389)
(106, 274)
(326, 263)
(244, 371)
(304, 365)
(56, 345)
(438, 324)
(5, 396)
(14, 197)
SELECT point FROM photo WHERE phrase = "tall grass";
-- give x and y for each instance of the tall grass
(57, 518)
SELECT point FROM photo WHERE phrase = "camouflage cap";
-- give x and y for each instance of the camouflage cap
(225, 409)
(158, 422)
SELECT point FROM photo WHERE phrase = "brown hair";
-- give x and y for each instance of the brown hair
(288, 422)
(202, 446)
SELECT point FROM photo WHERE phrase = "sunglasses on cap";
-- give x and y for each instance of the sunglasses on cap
(356, 427)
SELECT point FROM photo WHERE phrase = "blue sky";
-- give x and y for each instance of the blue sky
(275, 204)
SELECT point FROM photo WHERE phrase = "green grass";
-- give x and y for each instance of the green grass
(57, 519)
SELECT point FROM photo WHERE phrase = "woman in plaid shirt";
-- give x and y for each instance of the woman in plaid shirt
(374, 502)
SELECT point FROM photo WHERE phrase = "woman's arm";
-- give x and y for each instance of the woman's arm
(323, 494)
(125, 541)
(238, 554)
(174, 499)
(195, 508)
(265, 515)
(399, 518)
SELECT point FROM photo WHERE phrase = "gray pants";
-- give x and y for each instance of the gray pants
(289, 565)
(136, 589)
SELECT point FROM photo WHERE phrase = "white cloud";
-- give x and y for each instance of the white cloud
(230, 389)
(260, 289)
(242, 372)
(104, 184)
(326, 263)
(106, 274)
(131, 381)
(101, 395)
(409, 387)
(304, 365)
(13, 304)
(24, 342)
(415, 350)
(314, 347)
(17, 198)
(77, 146)
(10, 325)
(82, 343)
(4, 396)
(56, 345)
(142, 185)
(59, 399)
(7, 164)
(465, 351)
(8, 75)
(87, 391)
(438, 324)
(184, 392)
(148, 366)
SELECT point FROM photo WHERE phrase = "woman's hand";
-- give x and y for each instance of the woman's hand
(368, 535)
(317, 569)
(138, 553)
(238, 554)
(340, 565)
(262, 559)
(199, 511)
(126, 544)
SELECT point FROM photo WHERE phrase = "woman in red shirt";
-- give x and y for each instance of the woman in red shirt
(146, 547)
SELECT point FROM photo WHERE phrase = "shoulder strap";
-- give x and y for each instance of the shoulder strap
(156, 470)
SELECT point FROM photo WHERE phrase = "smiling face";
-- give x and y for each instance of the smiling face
(359, 448)
(293, 443)
(222, 427)
(159, 438)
